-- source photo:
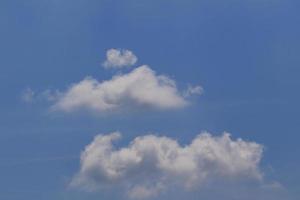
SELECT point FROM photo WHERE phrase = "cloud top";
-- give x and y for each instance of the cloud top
(151, 164)
(140, 87)
(119, 58)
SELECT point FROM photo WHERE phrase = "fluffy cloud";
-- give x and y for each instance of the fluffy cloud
(150, 164)
(118, 58)
(140, 87)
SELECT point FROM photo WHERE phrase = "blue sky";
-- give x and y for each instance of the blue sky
(244, 53)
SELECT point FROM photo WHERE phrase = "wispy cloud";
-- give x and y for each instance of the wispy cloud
(28, 95)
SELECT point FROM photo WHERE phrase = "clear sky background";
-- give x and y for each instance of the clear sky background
(244, 53)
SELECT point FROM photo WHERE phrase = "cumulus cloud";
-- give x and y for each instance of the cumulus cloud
(140, 87)
(119, 58)
(152, 164)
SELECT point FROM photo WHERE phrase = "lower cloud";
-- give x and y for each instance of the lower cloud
(151, 165)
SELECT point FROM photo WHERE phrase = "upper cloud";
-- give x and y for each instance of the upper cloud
(140, 87)
(118, 58)
(151, 164)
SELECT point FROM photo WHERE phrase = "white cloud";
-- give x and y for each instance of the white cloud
(118, 58)
(150, 164)
(140, 87)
